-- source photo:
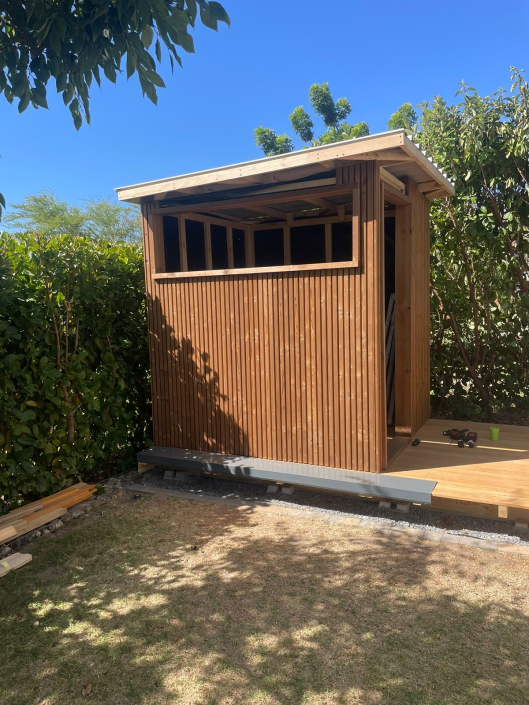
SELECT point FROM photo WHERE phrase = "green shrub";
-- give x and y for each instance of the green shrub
(480, 254)
(74, 384)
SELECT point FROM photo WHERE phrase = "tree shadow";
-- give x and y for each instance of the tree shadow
(190, 410)
(267, 611)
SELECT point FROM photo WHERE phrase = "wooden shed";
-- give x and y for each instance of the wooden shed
(271, 286)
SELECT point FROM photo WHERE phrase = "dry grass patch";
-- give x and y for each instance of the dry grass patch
(268, 610)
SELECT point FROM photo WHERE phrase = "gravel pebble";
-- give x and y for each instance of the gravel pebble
(417, 518)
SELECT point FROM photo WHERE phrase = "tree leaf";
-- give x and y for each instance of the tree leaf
(154, 78)
(147, 36)
(208, 20)
(24, 101)
(55, 40)
(218, 12)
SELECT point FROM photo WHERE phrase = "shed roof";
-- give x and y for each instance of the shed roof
(399, 156)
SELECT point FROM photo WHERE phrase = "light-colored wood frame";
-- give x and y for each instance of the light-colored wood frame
(260, 201)
(255, 270)
(250, 268)
(388, 148)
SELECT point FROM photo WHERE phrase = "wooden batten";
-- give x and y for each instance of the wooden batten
(13, 562)
(412, 312)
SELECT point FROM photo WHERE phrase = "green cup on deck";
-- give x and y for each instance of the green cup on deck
(494, 433)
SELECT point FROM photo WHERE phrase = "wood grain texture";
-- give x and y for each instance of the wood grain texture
(494, 472)
(277, 365)
(412, 312)
(13, 562)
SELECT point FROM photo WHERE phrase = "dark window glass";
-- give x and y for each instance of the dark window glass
(239, 250)
(269, 248)
(307, 244)
(196, 249)
(171, 244)
(342, 241)
(219, 247)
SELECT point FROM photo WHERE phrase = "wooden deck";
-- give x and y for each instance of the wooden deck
(491, 480)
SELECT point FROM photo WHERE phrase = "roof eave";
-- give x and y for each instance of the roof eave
(348, 149)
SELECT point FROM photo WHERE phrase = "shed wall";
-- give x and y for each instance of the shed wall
(283, 366)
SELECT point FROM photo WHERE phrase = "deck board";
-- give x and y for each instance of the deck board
(494, 472)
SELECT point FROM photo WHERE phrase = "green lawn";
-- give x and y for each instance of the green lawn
(268, 609)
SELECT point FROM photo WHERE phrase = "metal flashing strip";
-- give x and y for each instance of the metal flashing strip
(313, 476)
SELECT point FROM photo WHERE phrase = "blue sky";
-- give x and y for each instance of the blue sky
(378, 55)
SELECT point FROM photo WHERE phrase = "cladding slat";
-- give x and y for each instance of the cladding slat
(313, 374)
(257, 357)
(201, 362)
(224, 366)
(287, 328)
(319, 344)
(335, 337)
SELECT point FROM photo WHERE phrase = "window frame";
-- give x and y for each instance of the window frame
(155, 223)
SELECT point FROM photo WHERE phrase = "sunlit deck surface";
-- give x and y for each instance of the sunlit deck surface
(492, 473)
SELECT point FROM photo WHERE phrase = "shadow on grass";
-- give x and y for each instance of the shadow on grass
(281, 611)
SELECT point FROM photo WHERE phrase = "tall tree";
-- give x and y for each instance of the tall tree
(76, 41)
(332, 113)
(100, 219)
(404, 118)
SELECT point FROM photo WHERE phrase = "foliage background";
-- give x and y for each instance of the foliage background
(480, 254)
(74, 380)
(98, 218)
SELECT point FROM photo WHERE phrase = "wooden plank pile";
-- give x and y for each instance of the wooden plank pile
(12, 562)
(32, 516)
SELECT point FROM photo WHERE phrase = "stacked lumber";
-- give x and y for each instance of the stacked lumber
(32, 516)
(12, 562)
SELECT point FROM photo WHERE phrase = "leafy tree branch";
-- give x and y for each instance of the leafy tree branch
(333, 115)
(77, 42)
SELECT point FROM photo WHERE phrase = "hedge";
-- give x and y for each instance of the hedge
(74, 380)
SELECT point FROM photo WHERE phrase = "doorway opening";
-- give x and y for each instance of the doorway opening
(395, 443)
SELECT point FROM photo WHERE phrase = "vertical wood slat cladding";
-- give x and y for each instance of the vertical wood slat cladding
(284, 366)
(412, 313)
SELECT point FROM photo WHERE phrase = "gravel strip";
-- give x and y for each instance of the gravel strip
(417, 518)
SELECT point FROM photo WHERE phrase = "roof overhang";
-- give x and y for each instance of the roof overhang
(399, 156)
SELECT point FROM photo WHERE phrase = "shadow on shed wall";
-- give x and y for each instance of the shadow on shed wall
(189, 408)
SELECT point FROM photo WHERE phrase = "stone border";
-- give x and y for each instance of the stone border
(438, 536)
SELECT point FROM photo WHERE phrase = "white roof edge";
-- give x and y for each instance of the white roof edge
(261, 160)
(405, 140)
